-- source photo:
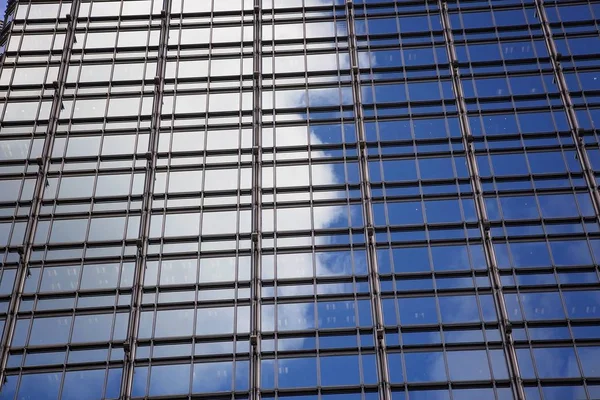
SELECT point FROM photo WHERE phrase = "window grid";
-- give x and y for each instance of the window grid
(545, 172)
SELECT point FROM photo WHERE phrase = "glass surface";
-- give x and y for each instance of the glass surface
(226, 174)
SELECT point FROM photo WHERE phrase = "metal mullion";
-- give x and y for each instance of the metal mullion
(130, 345)
(576, 131)
(369, 230)
(43, 169)
(480, 208)
(256, 230)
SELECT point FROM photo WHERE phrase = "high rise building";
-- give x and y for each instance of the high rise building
(300, 200)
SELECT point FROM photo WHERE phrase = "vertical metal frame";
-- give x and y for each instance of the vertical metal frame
(366, 197)
(576, 132)
(6, 24)
(130, 344)
(256, 265)
(38, 192)
(480, 208)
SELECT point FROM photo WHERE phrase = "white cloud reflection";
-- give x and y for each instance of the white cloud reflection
(297, 316)
(213, 377)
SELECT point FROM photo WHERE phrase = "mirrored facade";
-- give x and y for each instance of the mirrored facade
(300, 200)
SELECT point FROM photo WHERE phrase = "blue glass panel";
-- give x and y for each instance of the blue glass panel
(542, 306)
(213, 321)
(589, 357)
(429, 395)
(85, 385)
(532, 393)
(499, 365)
(468, 365)
(406, 213)
(472, 394)
(212, 377)
(92, 328)
(459, 309)
(451, 258)
(140, 379)
(174, 323)
(369, 368)
(532, 254)
(113, 383)
(295, 316)
(582, 304)
(40, 386)
(395, 366)
(54, 330)
(297, 372)
(339, 370)
(411, 259)
(574, 252)
(169, 380)
(9, 388)
(563, 392)
(425, 367)
(418, 311)
(557, 362)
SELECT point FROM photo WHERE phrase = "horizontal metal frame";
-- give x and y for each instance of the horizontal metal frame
(365, 350)
(436, 70)
(338, 332)
(425, 194)
(81, 215)
(87, 169)
(274, 156)
(459, 290)
(414, 242)
(465, 195)
(407, 114)
(496, 31)
(286, 110)
(301, 250)
(302, 232)
(475, 289)
(363, 9)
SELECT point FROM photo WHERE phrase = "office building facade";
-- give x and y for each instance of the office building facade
(300, 200)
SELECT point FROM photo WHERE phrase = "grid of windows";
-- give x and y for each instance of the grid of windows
(300, 199)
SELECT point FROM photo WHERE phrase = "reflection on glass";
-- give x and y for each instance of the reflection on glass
(185, 130)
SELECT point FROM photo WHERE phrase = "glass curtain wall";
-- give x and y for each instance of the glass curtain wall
(300, 200)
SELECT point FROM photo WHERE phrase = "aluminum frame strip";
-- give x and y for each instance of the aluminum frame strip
(576, 132)
(480, 209)
(130, 344)
(38, 193)
(256, 253)
(367, 206)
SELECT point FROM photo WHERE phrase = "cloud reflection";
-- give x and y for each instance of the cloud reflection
(210, 377)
